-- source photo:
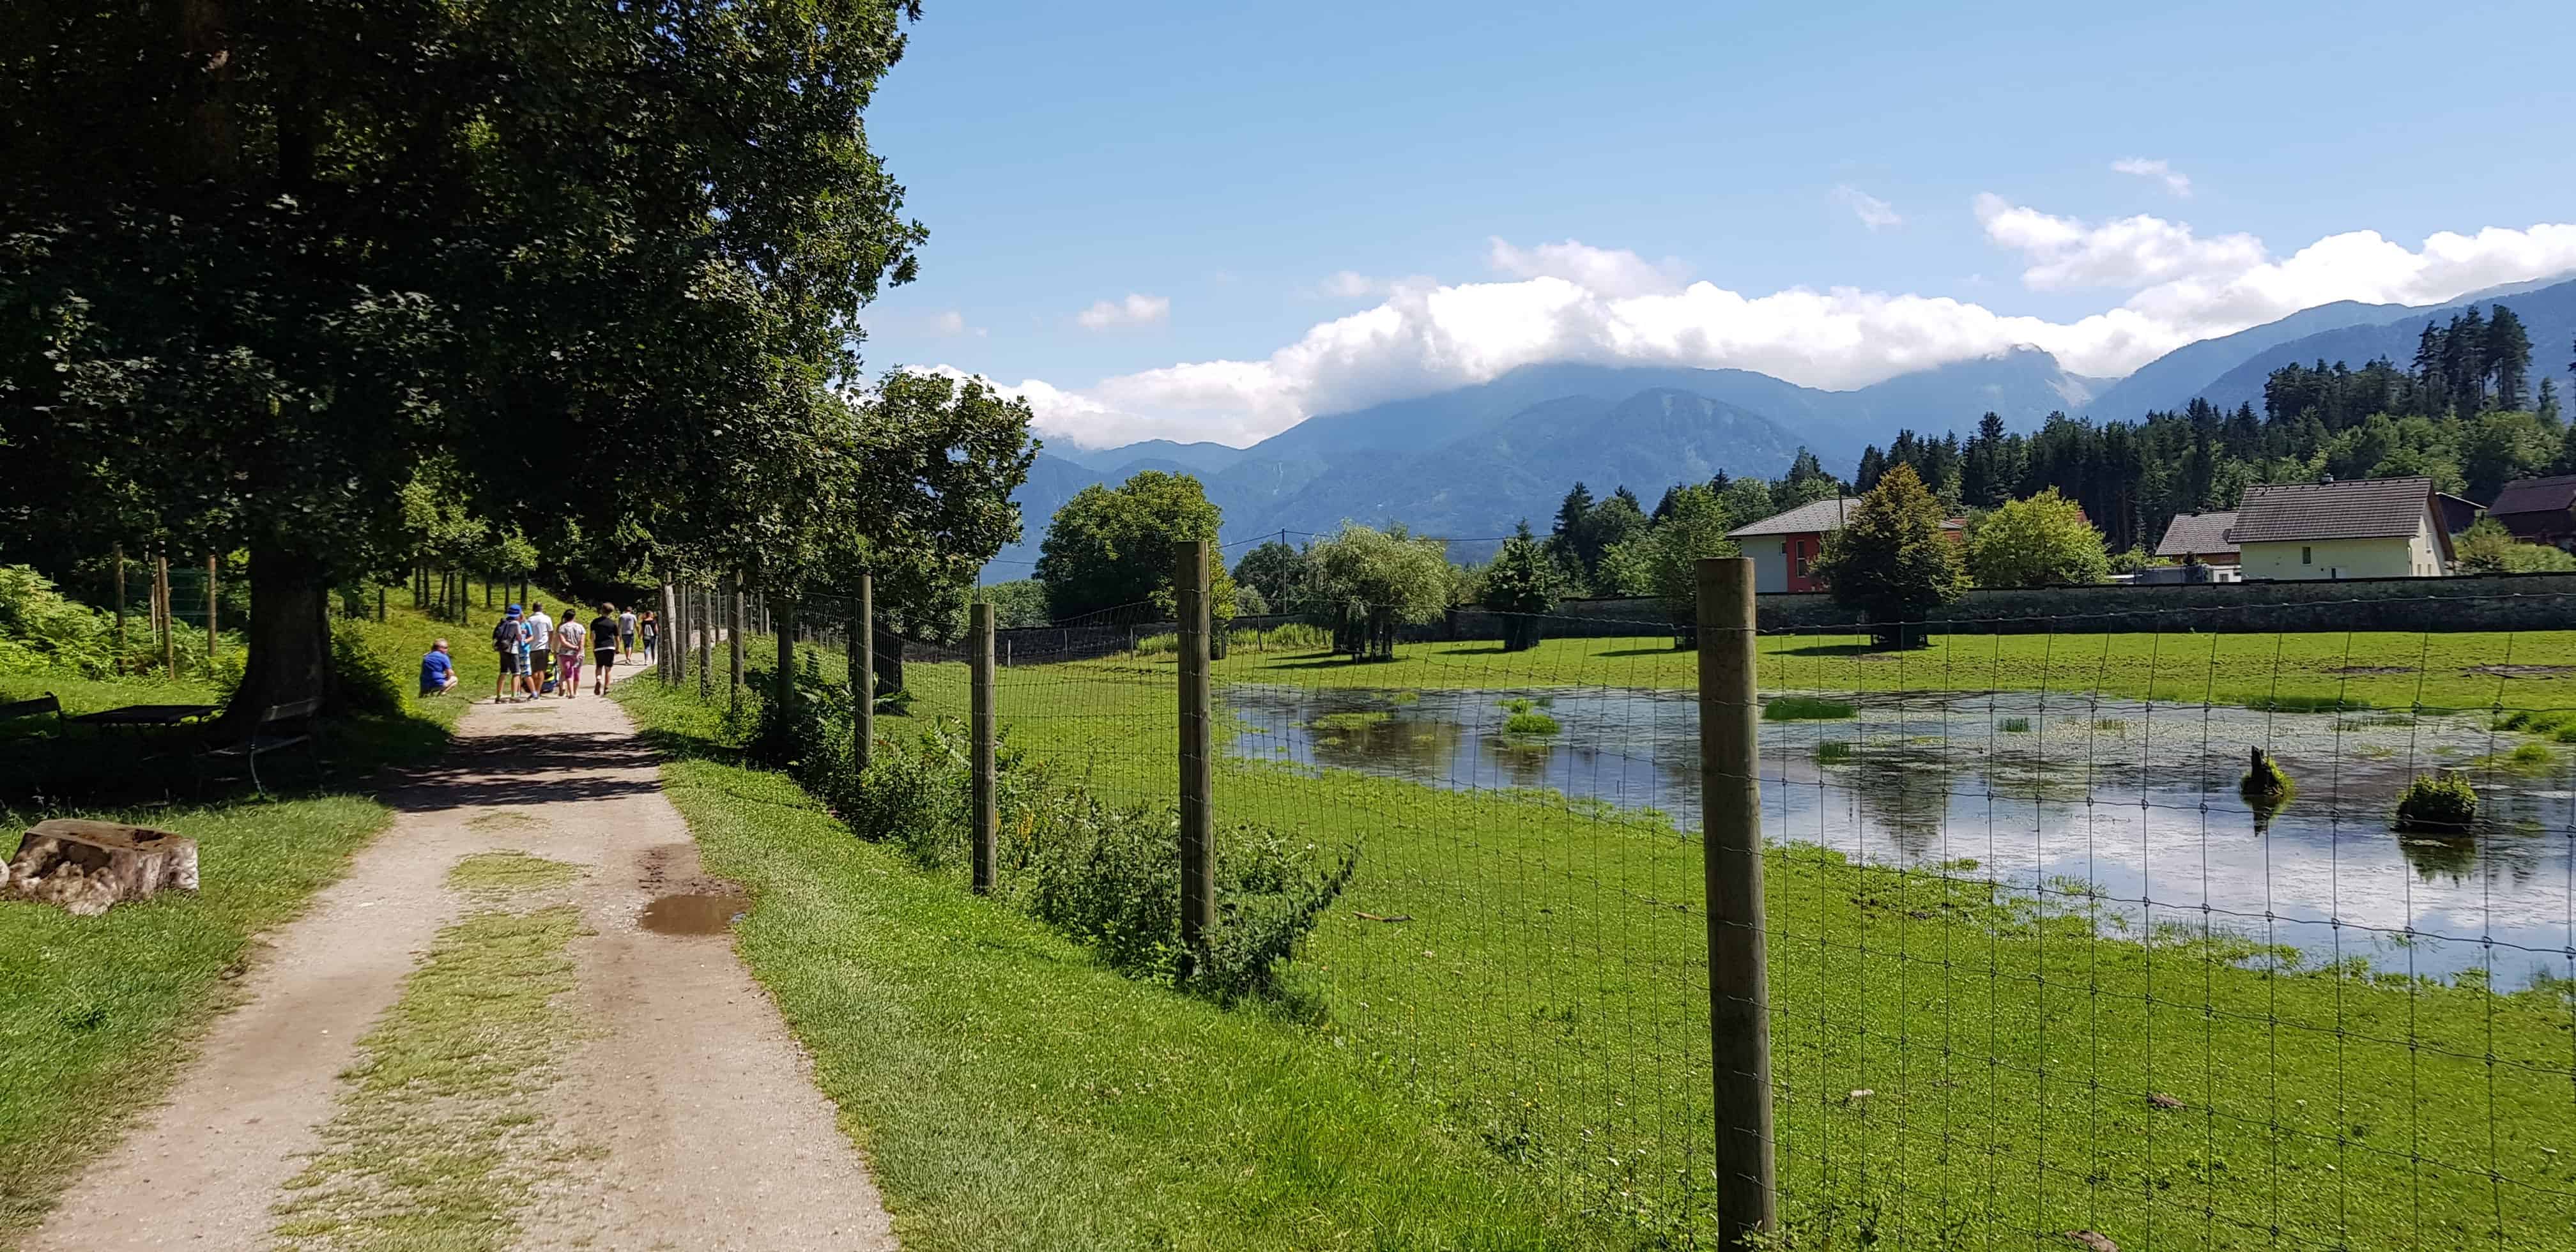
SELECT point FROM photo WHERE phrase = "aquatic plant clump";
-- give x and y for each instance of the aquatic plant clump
(2443, 802)
(2264, 778)
(1805, 708)
(1525, 718)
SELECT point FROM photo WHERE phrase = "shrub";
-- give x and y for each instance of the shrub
(2437, 802)
(1103, 874)
(2015, 726)
(361, 680)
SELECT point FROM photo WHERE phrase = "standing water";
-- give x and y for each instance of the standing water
(2139, 800)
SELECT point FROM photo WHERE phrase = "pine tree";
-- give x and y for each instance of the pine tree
(2508, 357)
(1523, 584)
(2464, 361)
(2548, 403)
(1891, 560)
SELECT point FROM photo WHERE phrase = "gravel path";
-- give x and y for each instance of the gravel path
(699, 1121)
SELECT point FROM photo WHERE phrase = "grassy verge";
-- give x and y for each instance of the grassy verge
(1954, 1066)
(1012, 1093)
(2376, 668)
(81, 997)
(435, 1143)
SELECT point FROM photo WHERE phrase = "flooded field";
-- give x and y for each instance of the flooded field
(2138, 800)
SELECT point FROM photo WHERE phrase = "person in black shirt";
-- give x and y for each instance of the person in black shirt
(603, 647)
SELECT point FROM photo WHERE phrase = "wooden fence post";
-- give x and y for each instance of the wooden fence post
(734, 624)
(120, 608)
(705, 621)
(863, 673)
(988, 821)
(210, 612)
(1198, 845)
(1739, 990)
(169, 618)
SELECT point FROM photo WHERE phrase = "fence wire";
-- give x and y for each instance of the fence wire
(2041, 970)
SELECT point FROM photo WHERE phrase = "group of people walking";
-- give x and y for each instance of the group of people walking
(540, 656)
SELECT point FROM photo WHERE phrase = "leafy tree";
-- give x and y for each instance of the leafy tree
(1110, 547)
(2488, 548)
(263, 262)
(1375, 581)
(1277, 571)
(1671, 553)
(2546, 406)
(2039, 542)
(2497, 448)
(1891, 561)
(1020, 602)
(1747, 499)
(1523, 584)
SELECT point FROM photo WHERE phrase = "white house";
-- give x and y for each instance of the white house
(2373, 528)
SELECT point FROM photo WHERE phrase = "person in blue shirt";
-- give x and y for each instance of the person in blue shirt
(437, 670)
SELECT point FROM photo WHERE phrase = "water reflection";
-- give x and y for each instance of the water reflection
(2139, 799)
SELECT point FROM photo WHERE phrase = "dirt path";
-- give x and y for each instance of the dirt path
(684, 1118)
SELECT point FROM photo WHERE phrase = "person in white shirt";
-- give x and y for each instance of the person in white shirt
(568, 651)
(626, 632)
(541, 645)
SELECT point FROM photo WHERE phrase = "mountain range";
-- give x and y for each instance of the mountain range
(1469, 462)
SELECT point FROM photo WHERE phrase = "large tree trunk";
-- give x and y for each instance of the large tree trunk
(288, 640)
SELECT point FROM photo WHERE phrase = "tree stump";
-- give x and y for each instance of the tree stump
(87, 866)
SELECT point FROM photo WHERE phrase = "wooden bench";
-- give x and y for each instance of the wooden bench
(280, 726)
(38, 707)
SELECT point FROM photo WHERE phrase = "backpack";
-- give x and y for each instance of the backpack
(505, 637)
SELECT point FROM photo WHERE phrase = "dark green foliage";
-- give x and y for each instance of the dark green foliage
(1805, 708)
(1891, 560)
(1278, 572)
(2437, 802)
(1103, 874)
(362, 681)
(1523, 584)
(1110, 547)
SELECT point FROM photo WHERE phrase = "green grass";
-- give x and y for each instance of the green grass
(489, 872)
(2299, 671)
(1540, 1002)
(435, 1142)
(80, 998)
(1805, 708)
(1525, 718)
(1012, 1093)
(1834, 752)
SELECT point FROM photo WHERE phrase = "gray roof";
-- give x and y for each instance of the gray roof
(2373, 508)
(1819, 515)
(2203, 534)
(2535, 495)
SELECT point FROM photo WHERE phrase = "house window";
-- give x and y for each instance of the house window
(2303, 556)
(1800, 547)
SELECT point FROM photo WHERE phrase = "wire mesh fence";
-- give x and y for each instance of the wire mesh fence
(2052, 958)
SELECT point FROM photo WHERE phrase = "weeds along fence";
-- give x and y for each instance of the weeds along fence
(2017, 940)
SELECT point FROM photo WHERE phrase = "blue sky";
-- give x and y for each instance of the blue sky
(1478, 185)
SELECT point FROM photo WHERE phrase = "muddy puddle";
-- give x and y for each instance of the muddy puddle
(2139, 800)
(694, 914)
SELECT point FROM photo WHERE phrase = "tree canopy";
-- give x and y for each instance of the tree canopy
(1891, 560)
(2039, 542)
(263, 264)
(1374, 581)
(1111, 547)
(1522, 582)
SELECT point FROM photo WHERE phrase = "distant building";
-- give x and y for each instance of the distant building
(2538, 510)
(2459, 513)
(2199, 538)
(2366, 528)
(1784, 546)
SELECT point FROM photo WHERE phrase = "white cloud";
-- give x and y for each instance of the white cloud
(1613, 307)
(2127, 252)
(1605, 271)
(948, 322)
(1873, 212)
(1135, 310)
(2174, 180)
